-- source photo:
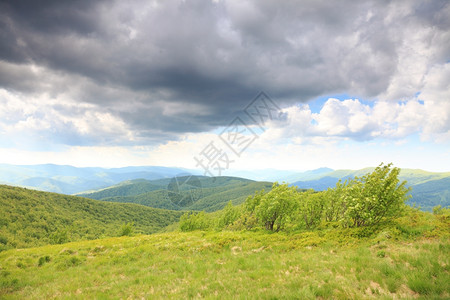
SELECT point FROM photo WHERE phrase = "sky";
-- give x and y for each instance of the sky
(226, 85)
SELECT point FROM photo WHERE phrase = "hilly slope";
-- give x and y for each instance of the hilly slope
(200, 193)
(407, 260)
(125, 189)
(433, 192)
(34, 218)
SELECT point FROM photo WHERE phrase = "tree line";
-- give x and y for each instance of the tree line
(362, 201)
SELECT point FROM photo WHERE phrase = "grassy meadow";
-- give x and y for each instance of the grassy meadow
(408, 258)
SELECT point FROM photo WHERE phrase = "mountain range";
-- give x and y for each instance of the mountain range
(149, 185)
(71, 180)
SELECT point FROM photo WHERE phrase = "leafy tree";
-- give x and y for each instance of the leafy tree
(251, 203)
(335, 205)
(437, 210)
(311, 208)
(374, 196)
(441, 211)
(277, 206)
(229, 214)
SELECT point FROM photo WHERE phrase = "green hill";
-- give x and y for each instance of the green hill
(432, 193)
(124, 189)
(157, 199)
(34, 218)
(216, 198)
(211, 194)
(406, 260)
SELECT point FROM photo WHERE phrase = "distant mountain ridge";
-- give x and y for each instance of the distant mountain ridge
(70, 180)
(428, 188)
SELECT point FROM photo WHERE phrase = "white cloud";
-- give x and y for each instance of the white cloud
(427, 114)
(436, 97)
(34, 120)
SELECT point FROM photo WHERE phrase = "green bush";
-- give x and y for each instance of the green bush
(127, 229)
(59, 237)
(359, 202)
(229, 215)
(43, 259)
(190, 221)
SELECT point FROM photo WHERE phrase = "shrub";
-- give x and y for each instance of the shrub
(3, 240)
(335, 205)
(59, 237)
(229, 215)
(127, 229)
(194, 221)
(43, 259)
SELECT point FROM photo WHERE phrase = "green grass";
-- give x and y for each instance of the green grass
(240, 265)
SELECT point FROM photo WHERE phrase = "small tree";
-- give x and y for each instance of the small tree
(277, 206)
(374, 196)
(229, 215)
(437, 210)
(311, 208)
(252, 202)
(335, 205)
(127, 229)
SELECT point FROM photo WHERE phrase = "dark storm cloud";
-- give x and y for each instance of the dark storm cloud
(205, 60)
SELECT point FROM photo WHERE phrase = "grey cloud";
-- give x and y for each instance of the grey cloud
(124, 57)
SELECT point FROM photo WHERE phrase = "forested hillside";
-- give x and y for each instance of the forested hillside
(204, 193)
(34, 218)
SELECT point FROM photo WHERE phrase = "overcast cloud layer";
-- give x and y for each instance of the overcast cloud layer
(147, 72)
